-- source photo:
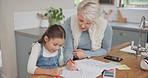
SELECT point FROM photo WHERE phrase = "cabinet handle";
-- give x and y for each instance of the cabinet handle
(122, 34)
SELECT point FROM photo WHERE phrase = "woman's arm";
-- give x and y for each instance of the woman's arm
(68, 46)
(106, 44)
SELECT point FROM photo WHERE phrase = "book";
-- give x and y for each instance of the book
(109, 73)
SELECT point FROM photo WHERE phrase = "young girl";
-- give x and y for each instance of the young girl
(46, 52)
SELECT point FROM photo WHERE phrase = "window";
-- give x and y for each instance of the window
(77, 2)
(135, 3)
(108, 2)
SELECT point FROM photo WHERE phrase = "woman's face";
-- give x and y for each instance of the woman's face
(53, 44)
(83, 23)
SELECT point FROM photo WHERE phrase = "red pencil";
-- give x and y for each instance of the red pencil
(56, 77)
(73, 63)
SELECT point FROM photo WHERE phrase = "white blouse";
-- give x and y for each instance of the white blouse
(35, 52)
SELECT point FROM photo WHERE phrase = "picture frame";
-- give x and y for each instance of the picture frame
(106, 2)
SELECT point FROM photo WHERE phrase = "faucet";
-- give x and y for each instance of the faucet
(139, 49)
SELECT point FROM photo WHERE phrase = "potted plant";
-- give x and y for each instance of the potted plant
(54, 16)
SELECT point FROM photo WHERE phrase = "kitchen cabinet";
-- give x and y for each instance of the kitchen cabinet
(120, 36)
(24, 40)
(123, 32)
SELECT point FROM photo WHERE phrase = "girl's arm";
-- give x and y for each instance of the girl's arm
(33, 58)
(53, 71)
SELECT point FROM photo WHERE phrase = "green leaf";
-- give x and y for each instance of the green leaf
(55, 14)
(45, 14)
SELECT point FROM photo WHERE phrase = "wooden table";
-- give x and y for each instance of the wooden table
(129, 59)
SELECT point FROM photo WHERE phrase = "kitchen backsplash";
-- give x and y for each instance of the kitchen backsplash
(29, 19)
(132, 15)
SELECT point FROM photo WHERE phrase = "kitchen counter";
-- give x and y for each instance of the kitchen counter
(32, 32)
(127, 26)
(37, 32)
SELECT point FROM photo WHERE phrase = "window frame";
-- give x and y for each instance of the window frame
(130, 4)
(112, 3)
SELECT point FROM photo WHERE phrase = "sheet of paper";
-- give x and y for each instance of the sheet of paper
(128, 49)
(123, 67)
(115, 63)
(87, 68)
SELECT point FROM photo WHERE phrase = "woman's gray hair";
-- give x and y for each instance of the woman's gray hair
(89, 9)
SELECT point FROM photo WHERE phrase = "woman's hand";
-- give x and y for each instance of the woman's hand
(55, 71)
(71, 65)
(79, 54)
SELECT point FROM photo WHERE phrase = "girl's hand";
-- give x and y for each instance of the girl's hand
(55, 71)
(70, 65)
(79, 54)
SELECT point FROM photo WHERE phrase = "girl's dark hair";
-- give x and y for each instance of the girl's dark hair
(53, 31)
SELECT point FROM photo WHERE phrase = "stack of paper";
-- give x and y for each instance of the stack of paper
(87, 68)
(123, 67)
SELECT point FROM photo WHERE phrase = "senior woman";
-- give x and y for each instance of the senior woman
(87, 33)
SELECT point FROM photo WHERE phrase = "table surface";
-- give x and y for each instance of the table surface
(128, 59)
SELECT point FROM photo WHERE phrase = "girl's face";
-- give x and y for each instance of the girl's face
(53, 44)
(83, 23)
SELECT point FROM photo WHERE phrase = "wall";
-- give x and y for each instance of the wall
(28, 18)
(7, 41)
(132, 15)
(29, 13)
(0, 20)
(8, 7)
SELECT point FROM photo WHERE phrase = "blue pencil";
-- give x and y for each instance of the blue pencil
(57, 67)
(56, 64)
